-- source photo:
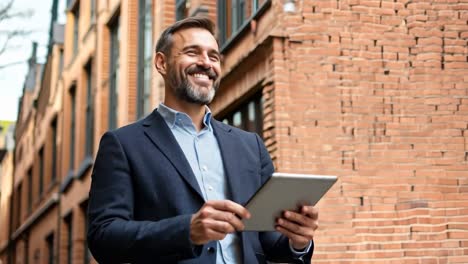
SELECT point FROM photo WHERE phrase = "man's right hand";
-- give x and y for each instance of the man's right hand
(215, 220)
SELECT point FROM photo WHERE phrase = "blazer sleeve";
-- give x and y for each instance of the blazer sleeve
(274, 244)
(113, 235)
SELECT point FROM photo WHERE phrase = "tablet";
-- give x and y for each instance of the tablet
(284, 191)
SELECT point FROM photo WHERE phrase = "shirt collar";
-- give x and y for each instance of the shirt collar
(172, 116)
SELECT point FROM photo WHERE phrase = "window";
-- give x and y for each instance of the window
(19, 195)
(248, 116)
(61, 61)
(69, 237)
(145, 56)
(89, 110)
(50, 248)
(76, 27)
(87, 253)
(26, 250)
(114, 74)
(30, 190)
(181, 9)
(92, 11)
(232, 14)
(72, 126)
(41, 171)
(54, 150)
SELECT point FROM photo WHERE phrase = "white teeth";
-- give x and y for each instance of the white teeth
(200, 76)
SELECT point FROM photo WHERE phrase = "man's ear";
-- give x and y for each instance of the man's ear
(160, 62)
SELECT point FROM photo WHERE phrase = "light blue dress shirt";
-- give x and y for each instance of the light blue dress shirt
(203, 154)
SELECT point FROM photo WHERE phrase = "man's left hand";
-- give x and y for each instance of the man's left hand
(299, 227)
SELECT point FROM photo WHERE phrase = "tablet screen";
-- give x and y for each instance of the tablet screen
(284, 191)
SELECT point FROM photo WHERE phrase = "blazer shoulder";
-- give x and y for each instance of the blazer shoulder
(130, 130)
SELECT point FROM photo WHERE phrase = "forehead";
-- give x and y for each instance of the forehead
(194, 37)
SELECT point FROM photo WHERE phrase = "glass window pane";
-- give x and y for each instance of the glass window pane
(237, 119)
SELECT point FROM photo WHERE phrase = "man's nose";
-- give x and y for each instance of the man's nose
(204, 61)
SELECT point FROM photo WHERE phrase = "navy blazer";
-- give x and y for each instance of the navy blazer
(143, 194)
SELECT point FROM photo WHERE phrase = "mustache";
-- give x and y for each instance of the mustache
(198, 69)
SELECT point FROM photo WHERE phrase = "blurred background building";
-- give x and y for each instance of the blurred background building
(373, 91)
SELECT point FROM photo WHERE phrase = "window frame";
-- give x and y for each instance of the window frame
(19, 198)
(41, 171)
(76, 27)
(114, 53)
(181, 9)
(72, 94)
(89, 129)
(53, 176)
(92, 11)
(50, 241)
(30, 189)
(145, 57)
(69, 225)
(228, 34)
(243, 109)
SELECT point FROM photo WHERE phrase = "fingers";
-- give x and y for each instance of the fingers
(300, 226)
(298, 241)
(225, 211)
(230, 206)
(215, 220)
(224, 217)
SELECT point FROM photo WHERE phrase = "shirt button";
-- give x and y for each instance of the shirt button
(204, 168)
(211, 250)
(210, 187)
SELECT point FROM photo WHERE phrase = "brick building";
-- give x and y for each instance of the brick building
(7, 129)
(373, 91)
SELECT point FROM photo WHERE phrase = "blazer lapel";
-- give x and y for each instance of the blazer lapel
(159, 133)
(227, 142)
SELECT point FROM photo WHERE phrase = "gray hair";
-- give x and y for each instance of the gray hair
(164, 44)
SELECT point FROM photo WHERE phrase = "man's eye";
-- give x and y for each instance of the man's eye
(214, 58)
(191, 52)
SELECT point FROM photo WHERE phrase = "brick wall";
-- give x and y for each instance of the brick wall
(376, 93)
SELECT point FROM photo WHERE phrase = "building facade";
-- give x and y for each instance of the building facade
(7, 130)
(375, 92)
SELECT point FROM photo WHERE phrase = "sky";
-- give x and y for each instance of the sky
(12, 78)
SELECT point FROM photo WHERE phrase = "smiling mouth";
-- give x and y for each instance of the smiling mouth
(201, 79)
(201, 76)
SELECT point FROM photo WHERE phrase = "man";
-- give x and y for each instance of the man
(170, 188)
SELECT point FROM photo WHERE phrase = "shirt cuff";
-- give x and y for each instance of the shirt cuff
(299, 254)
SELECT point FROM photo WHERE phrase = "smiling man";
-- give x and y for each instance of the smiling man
(170, 188)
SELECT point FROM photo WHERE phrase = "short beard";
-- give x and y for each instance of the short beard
(184, 90)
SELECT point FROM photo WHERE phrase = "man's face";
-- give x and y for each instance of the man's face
(194, 66)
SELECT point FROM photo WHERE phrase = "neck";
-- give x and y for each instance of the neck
(195, 111)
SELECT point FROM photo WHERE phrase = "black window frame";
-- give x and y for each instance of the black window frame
(69, 229)
(41, 171)
(145, 57)
(53, 176)
(87, 253)
(19, 198)
(50, 240)
(114, 66)
(72, 94)
(256, 125)
(233, 17)
(30, 188)
(89, 129)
